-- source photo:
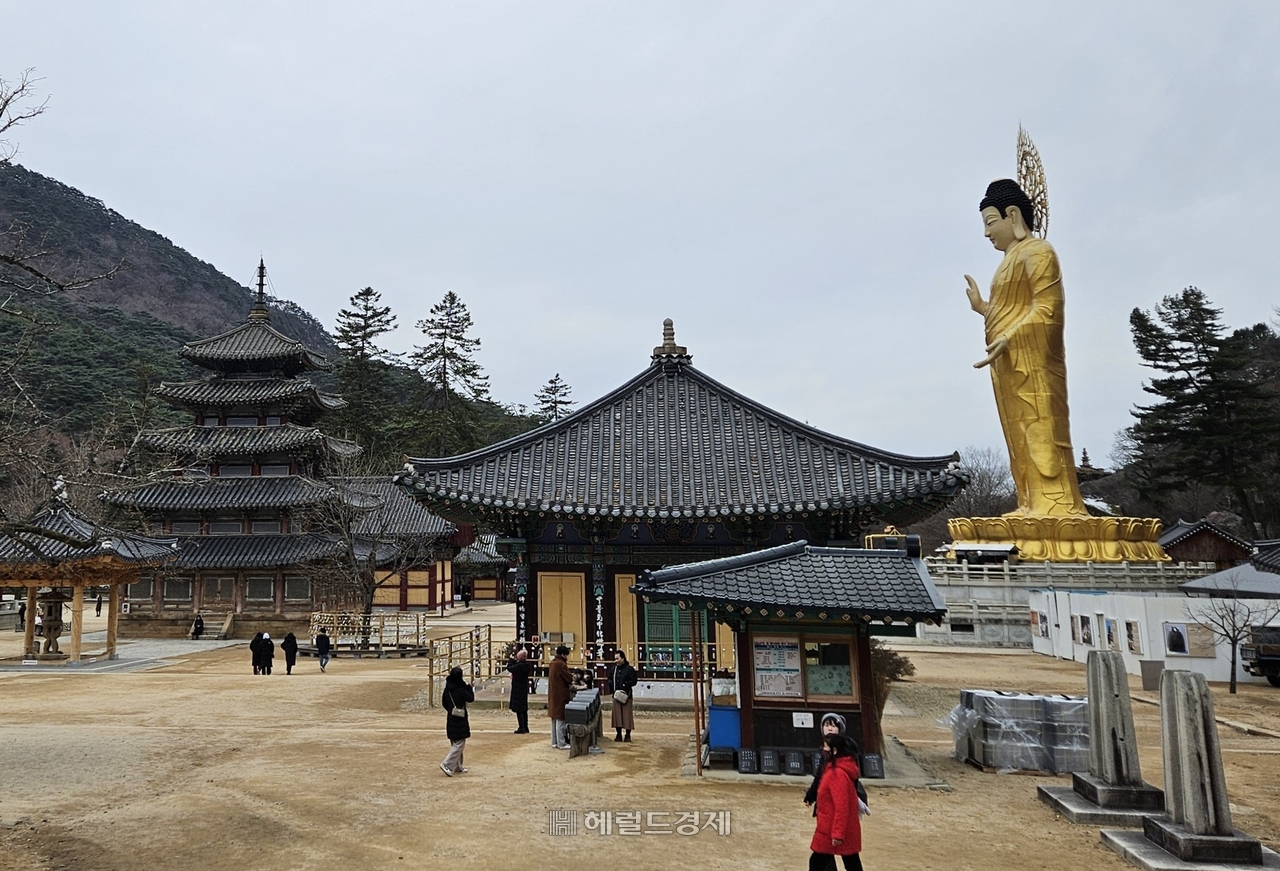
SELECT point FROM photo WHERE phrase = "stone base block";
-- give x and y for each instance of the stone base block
(1139, 798)
(1077, 809)
(1066, 539)
(1137, 850)
(1189, 847)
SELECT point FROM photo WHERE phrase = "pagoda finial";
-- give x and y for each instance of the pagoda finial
(259, 310)
(669, 351)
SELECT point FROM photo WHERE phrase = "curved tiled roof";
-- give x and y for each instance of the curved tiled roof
(254, 551)
(804, 582)
(253, 392)
(56, 534)
(255, 345)
(673, 442)
(216, 494)
(394, 512)
(1183, 530)
(224, 441)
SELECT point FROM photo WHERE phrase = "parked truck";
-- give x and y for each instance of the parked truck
(1260, 655)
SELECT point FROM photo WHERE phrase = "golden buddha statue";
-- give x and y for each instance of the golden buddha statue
(1023, 316)
(1027, 355)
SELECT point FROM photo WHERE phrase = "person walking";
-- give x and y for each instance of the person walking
(457, 693)
(267, 652)
(290, 648)
(837, 805)
(521, 671)
(622, 683)
(559, 691)
(197, 627)
(22, 617)
(323, 646)
(255, 646)
(97, 610)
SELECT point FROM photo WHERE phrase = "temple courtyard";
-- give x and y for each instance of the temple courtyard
(199, 764)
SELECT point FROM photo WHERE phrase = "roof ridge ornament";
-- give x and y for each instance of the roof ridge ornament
(669, 352)
(259, 310)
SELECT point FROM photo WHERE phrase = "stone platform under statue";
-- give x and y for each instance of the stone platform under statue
(1069, 539)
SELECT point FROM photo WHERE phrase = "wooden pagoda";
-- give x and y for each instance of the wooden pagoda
(59, 549)
(671, 467)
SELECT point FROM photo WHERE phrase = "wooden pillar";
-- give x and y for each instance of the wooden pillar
(77, 620)
(871, 738)
(29, 633)
(113, 619)
(746, 686)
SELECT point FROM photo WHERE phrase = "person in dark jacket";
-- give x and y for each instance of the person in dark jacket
(290, 648)
(197, 627)
(521, 671)
(266, 652)
(622, 678)
(839, 752)
(254, 646)
(323, 646)
(457, 693)
(559, 691)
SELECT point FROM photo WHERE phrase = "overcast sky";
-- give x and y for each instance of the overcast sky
(795, 184)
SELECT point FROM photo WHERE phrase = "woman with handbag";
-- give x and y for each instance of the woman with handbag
(622, 681)
(457, 693)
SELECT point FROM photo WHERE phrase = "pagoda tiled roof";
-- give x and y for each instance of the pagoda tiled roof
(255, 345)
(673, 442)
(254, 551)
(56, 535)
(250, 392)
(803, 582)
(216, 494)
(233, 441)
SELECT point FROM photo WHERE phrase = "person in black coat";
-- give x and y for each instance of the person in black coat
(622, 679)
(197, 628)
(457, 693)
(254, 646)
(323, 646)
(521, 672)
(290, 648)
(266, 653)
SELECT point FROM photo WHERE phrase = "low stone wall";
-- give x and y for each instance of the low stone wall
(245, 626)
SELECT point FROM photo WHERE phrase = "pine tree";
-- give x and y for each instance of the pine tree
(450, 422)
(364, 370)
(1216, 421)
(553, 400)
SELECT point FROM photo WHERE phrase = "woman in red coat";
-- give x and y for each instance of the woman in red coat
(839, 831)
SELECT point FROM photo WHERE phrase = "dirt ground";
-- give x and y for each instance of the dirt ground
(203, 765)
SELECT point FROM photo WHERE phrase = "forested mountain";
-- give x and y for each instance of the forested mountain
(105, 339)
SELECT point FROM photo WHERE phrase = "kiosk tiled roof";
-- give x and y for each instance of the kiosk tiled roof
(254, 346)
(248, 392)
(1183, 530)
(394, 512)
(673, 442)
(234, 441)
(56, 534)
(217, 494)
(803, 582)
(254, 551)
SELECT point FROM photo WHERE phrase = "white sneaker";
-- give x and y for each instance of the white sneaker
(445, 769)
(462, 770)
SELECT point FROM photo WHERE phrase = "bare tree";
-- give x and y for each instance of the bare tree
(989, 493)
(1229, 617)
(380, 531)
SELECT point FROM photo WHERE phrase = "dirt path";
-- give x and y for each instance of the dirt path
(201, 765)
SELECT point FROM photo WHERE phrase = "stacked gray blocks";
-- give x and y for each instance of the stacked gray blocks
(1197, 830)
(1021, 731)
(1112, 792)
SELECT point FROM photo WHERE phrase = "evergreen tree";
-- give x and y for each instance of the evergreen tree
(553, 400)
(1216, 421)
(454, 380)
(364, 371)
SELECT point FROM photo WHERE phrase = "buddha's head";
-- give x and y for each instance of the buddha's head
(1007, 213)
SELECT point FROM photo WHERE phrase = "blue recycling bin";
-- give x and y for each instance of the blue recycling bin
(725, 724)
